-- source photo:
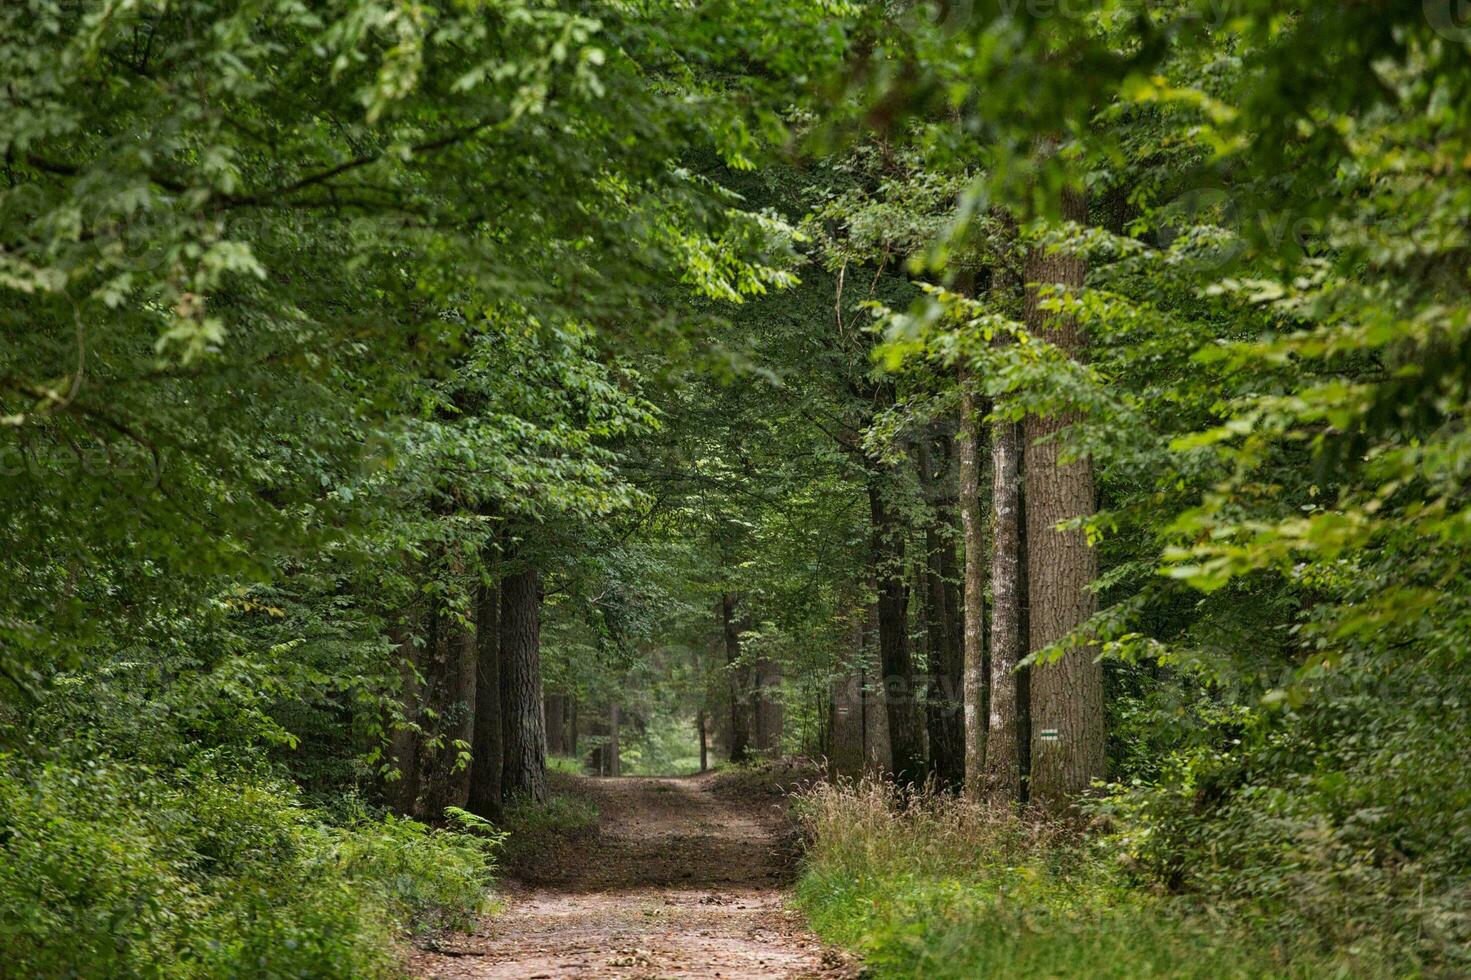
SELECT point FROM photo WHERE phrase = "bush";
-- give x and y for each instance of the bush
(1340, 821)
(566, 764)
(939, 888)
(115, 869)
(541, 838)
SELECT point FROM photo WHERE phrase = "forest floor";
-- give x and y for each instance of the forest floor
(685, 877)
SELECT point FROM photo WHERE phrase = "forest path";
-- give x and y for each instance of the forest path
(686, 878)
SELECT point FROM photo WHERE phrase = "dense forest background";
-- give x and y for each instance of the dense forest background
(1054, 412)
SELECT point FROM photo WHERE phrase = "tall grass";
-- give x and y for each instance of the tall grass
(940, 888)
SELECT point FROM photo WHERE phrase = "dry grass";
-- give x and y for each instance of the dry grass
(931, 886)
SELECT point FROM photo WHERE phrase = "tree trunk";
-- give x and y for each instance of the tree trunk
(556, 721)
(975, 680)
(769, 713)
(943, 700)
(1067, 744)
(615, 761)
(740, 723)
(704, 746)
(572, 731)
(845, 753)
(524, 774)
(952, 581)
(1003, 769)
(488, 748)
(403, 747)
(873, 699)
(469, 689)
(449, 696)
(897, 671)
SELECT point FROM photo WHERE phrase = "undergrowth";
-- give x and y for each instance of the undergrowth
(939, 888)
(116, 869)
(541, 833)
(570, 765)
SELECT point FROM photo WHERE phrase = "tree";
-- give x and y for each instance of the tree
(737, 673)
(944, 702)
(967, 448)
(1002, 769)
(895, 666)
(524, 774)
(1067, 739)
(488, 748)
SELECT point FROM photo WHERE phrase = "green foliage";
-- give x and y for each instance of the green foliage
(546, 833)
(560, 815)
(429, 880)
(565, 764)
(1272, 401)
(117, 869)
(314, 317)
(936, 888)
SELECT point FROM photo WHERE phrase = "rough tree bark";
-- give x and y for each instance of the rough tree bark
(525, 755)
(740, 721)
(449, 697)
(1003, 771)
(555, 713)
(845, 701)
(488, 747)
(403, 747)
(953, 583)
(1067, 741)
(877, 754)
(943, 716)
(768, 706)
(906, 742)
(967, 447)
(704, 745)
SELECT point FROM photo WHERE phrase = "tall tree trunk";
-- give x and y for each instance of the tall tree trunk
(1003, 769)
(615, 751)
(704, 746)
(943, 700)
(488, 747)
(878, 755)
(952, 581)
(845, 701)
(1067, 745)
(556, 722)
(572, 731)
(449, 696)
(403, 747)
(769, 713)
(975, 681)
(740, 720)
(905, 740)
(525, 739)
(464, 637)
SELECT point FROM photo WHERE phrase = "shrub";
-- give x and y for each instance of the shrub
(566, 764)
(936, 887)
(110, 868)
(1342, 818)
(540, 837)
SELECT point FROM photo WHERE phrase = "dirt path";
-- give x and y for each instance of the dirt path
(680, 882)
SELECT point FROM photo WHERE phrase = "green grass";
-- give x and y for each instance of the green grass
(939, 890)
(541, 833)
(571, 765)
